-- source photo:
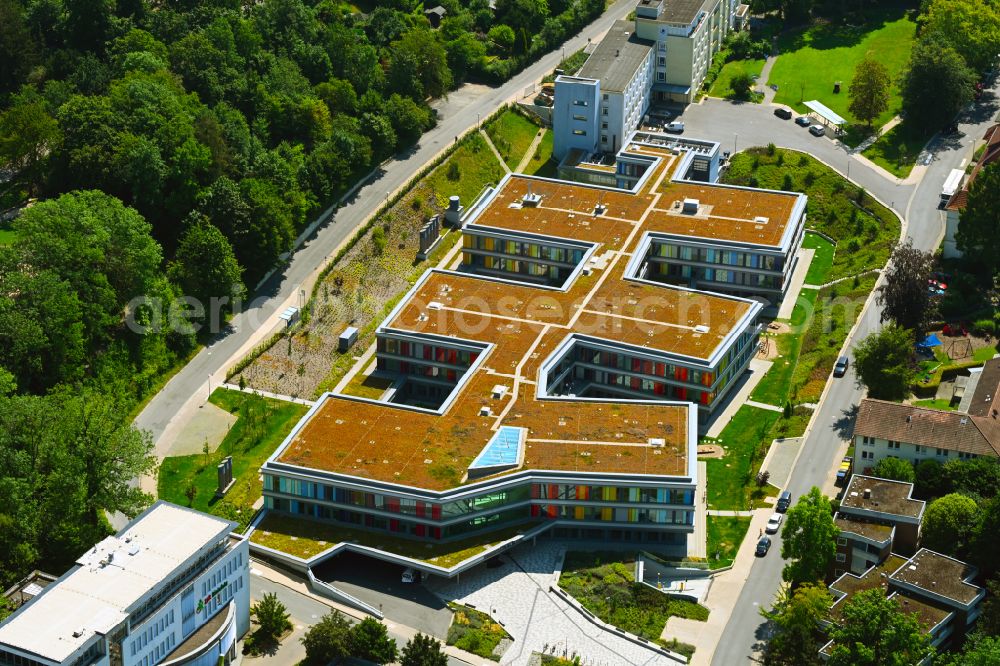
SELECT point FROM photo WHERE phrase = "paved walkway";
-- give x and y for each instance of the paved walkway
(517, 594)
(493, 148)
(268, 394)
(798, 278)
(758, 368)
(765, 74)
(698, 540)
(779, 460)
(722, 596)
(209, 424)
(763, 405)
(733, 514)
(526, 160)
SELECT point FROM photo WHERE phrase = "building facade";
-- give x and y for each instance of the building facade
(171, 588)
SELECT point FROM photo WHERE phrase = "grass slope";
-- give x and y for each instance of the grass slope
(731, 478)
(896, 151)
(262, 424)
(721, 88)
(812, 59)
(822, 260)
(725, 534)
(512, 134)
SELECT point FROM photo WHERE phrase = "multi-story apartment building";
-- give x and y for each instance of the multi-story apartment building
(546, 380)
(877, 517)
(171, 588)
(936, 588)
(687, 34)
(887, 429)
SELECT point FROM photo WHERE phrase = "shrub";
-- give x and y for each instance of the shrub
(985, 327)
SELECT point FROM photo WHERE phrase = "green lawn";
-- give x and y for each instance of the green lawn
(775, 386)
(896, 151)
(725, 534)
(810, 60)
(603, 583)
(465, 172)
(822, 260)
(746, 438)
(936, 404)
(541, 163)
(262, 424)
(474, 631)
(720, 88)
(512, 134)
(305, 538)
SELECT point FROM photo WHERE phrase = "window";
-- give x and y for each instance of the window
(604, 126)
(942, 452)
(604, 111)
(577, 116)
(867, 455)
(605, 96)
(837, 573)
(893, 445)
(841, 541)
(604, 138)
(660, 76)
(580, 102)
(841, 557)
(919, 449)
(579, 132)
(662, 61)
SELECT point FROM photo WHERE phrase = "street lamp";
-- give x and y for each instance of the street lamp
(735, 139)
(477, 121)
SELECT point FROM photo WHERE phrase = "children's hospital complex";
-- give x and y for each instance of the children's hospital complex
(558, 371)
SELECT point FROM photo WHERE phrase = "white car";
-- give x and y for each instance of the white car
(773, 523)
(676, 126)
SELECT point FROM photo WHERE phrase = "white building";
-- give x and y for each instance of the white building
(171, 588)
(598, 108)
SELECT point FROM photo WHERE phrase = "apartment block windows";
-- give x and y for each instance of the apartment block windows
(580, 102)
(841, 541)
(605, 97)
(662, 61)
(867, 455)
(604, 138)
(660, 76)
(604, 111)
(841, 557)
(943, 453)
(893, 445)
(580, 132)
(577, 116)
(604, 125)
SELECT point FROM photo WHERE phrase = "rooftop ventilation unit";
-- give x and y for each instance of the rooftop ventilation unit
(79, 632)
(690, 206)
(868, 493)
(499, 391)
(434, 305)
(531, 199)
(485, 411)
(701, 328)
(760, 219)
(657, 441)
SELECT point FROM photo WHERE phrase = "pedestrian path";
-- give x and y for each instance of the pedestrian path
(765, 74)
(526, 160)
(735, 514)
(763, 405)
(494, 149)
(268, 394)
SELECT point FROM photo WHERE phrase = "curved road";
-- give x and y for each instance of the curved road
(831, 427)
(461, 111)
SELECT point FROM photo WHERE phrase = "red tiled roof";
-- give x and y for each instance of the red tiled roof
(992, 152)
(954, 431)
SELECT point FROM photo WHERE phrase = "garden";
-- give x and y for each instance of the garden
(604, 584)
(261, 426)
(475, 632)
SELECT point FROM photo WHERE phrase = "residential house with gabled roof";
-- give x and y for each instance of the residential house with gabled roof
(955, 205)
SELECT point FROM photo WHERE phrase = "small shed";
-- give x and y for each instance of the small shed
(347, 339)
(829, 116)
(290, 316)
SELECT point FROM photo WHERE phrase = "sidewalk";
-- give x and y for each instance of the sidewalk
(722, 596)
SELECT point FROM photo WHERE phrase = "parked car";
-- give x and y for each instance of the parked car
(411, 575)
(845, 469)
(773, 523)
(783, 113)
(676, 126)
(763, 545)
(784, 501)
(817, 130)
(840, 367)
(803, 121)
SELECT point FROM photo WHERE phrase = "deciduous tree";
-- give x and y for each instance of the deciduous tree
(796, 634)
(935, 85)
(869, 90)
(423, 650)
(809, 539)
(949, 524)
(903, 296)
(896, 469)
(971, 27)
(875, 631)
(883, 362)
(329, 639)
(370, 640)
(206, 269)
(270, 616)
(979, 224)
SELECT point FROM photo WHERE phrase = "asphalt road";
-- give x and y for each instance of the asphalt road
(461, 111)
(832, 426)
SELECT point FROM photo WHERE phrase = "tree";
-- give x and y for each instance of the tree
(27, 135)
(741, 84)
(896, 469)
(903, 295)
(370, 640)
(18, 49)
(874, 631)
(329, 639)
(979, 650)
(979, 223)
(949, 524)
(931, 480)
(796, 620)
(809, 539)
(884, 363)
(206, 269)
(869, 90)
(423, 650)
(418, 65)
(971, 27)
(502, 37)
(935, 85)
(271, 617)
(522, 15)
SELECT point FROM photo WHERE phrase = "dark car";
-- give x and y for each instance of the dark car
(763, 545)
(783, 113)
(803, 121)
(784, 501)
(840, 368)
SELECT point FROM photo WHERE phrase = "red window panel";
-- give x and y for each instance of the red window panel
(552, 510)
(583, 492)
(704, 397)
(636, 365)
(636, 383)
(535, 510)
(453, 356)
(553, 490)
(393, 525)
(452, 376)
(473, 356)
(428, 352)
(659, 388)
(682, 393)
(661, 369)
(420, 510)
(647, 367)
(404, 348)
(436, 532)
(436, 512)
(421, 530)
(392, 504)
(536, 491)
(681, 373)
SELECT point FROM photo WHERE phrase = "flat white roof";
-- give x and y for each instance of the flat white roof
(95, 596)
(825, 111)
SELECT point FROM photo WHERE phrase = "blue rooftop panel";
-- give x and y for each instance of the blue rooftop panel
(504, 449)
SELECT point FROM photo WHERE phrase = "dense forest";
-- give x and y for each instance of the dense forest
(156, 155)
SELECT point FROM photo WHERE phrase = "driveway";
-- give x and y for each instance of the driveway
(378, 584)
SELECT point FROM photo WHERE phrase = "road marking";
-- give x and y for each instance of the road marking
(256, 572)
